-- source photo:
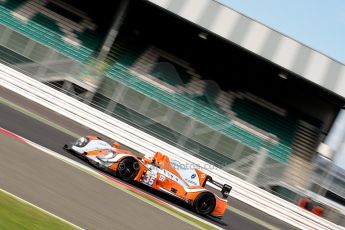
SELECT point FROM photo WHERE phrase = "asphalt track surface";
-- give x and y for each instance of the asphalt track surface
(72, 194)
(55, 130)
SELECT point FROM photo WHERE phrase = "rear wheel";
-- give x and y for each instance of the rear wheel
(128, 169)
(205, 203)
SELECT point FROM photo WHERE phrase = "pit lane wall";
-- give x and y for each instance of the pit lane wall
(141, 141)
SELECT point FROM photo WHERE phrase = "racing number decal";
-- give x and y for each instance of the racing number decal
(149, 179)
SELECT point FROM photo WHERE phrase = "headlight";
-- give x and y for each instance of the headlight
(81, 142)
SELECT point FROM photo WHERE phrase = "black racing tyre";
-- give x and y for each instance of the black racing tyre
(128, 169)
(205, 203)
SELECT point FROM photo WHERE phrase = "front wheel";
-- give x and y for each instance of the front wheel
(128, 169)
(205, 203)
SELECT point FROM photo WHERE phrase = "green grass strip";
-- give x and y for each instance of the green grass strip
(14, 214)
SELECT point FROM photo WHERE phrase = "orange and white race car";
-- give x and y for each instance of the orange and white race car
(158, 172)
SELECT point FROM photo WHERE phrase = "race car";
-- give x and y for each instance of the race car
(158, 172)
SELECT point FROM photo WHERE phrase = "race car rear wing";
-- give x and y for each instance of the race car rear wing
(225, 188)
